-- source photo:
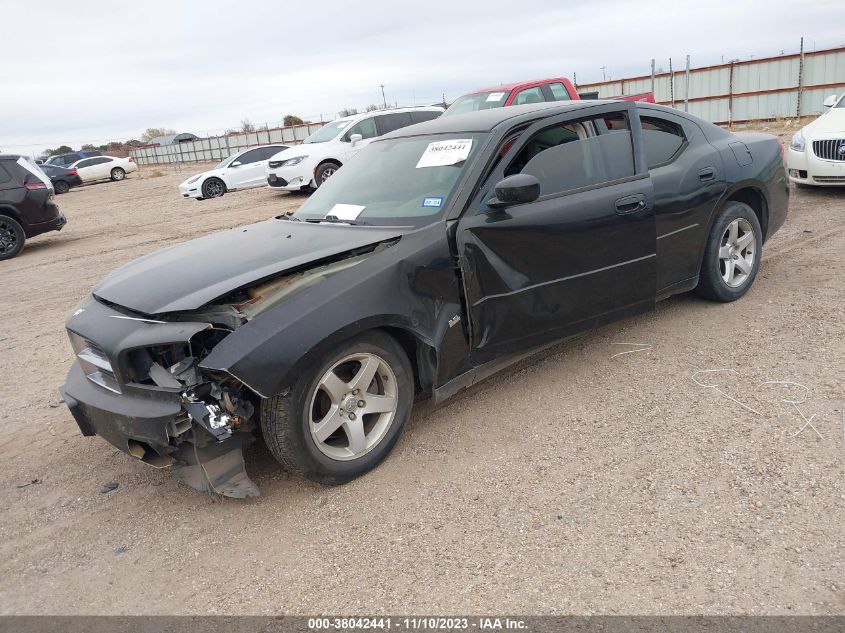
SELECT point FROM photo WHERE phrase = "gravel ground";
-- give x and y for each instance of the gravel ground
(577, 482)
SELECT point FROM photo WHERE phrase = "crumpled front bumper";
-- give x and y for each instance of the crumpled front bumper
(122, 418)
(154, 424)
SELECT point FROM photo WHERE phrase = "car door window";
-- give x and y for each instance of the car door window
(268, 152)
(663, 140)
(529, 95)
(366, 128)
(86, 163)
(579, 154)
(252, 156)
(100, 161)
(4, 175)
(559, 92)
(424, 115)
(389, 122)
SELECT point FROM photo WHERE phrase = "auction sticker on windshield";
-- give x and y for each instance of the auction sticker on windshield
(434, 202)
(345, 211)
(495, 96)
(442, 153)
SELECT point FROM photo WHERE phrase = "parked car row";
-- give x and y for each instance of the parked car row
(307, 166)
(437, 255)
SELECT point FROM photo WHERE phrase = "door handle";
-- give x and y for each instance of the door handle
(629, 204)
(708, 173)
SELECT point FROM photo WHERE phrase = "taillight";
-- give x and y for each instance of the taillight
(32, 186)
(131, 160)
(72, 172)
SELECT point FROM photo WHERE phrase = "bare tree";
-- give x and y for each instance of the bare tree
(152, 132)
(348, 112)
(372, 107)
(247, 126)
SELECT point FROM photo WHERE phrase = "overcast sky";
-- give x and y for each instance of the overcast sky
(91, 71)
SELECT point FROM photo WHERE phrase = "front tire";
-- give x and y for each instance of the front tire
(60, 186)
(345, 413)
(324, 172)
(732, 255)
(12, 237)
(213, 188)
(118, 174)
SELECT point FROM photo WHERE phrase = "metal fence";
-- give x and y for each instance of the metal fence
(219, 147)
(738, 91)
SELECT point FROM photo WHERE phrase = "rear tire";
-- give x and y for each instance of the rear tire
(213, 188)
(12, 237)
(324, 172)
(311, 429)
(118, 174)
(732, 255)
(60, 186)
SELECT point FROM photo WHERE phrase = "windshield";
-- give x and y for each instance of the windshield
(840, 103)
(478, 101)
(403, 181)
(327, 132)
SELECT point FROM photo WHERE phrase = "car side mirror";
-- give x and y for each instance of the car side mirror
(355, 138)
(237, 163)
(830, 101)
(516, 189)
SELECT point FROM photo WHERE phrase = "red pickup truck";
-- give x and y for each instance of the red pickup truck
(554, 89)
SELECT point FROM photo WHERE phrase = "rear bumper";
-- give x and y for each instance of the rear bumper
(55, 224)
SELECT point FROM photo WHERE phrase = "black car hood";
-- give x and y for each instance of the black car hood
(189, 275)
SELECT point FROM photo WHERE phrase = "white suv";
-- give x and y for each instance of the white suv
(310, 164)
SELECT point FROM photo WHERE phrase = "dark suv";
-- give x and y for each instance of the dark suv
(26, 204)
(61, 160)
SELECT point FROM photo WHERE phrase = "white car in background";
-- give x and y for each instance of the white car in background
(104, 168)
(310, 164)
(816, 153)
(239, 171)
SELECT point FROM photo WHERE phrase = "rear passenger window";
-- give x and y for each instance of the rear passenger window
(578, 154)
(85, 163)
(559, 92)
(424, 115)
(4, 175)
(662, 140)
(529, 95)
(389, 122)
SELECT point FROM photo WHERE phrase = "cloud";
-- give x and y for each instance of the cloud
(101, 72)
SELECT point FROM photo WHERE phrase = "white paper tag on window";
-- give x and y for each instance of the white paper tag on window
(345, 211)
(495, 96)
(442, 153)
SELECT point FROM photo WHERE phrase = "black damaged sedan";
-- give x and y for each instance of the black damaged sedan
(440, 254)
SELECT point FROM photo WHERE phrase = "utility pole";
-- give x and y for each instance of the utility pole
(603, 75)
(383, 99)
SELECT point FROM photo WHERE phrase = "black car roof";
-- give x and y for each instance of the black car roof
(486, 120)
(9, 156)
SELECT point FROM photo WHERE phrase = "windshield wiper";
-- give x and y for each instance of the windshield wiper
(333, 220)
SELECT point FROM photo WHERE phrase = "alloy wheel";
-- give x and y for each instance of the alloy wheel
(353, 406)
(737, 252)
(213, 189)
(8, 238)
(328, 172)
